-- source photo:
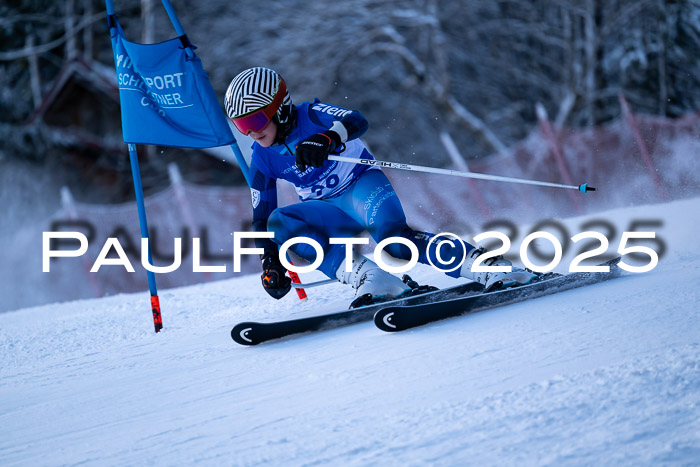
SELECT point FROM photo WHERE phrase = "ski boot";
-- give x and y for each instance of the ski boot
(371, 283)
(494, 280)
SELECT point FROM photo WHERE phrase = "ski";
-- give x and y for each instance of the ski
(253, 333)
(396, 317)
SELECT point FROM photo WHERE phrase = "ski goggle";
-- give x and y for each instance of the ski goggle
(258, 119)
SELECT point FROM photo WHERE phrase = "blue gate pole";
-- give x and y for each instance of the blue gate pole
(138, 188)
(176, 24)
(241, 161)
(180, 31)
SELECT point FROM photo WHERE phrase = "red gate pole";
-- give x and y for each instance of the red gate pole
(632, 122)
(556, 150)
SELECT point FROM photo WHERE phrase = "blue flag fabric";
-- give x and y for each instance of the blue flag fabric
(166, 97)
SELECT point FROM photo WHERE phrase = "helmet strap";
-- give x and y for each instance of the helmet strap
(284, 129)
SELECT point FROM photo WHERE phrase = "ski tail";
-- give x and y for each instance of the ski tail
(396, 318)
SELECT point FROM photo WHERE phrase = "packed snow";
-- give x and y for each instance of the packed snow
(605, 374)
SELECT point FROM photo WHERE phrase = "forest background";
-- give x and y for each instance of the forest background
(475, 69)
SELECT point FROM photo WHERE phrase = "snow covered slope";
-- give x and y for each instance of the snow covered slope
(608, 374)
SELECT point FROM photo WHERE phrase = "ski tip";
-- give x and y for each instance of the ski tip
(585, 188)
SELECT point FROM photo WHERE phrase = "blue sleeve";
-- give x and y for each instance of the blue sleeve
(324, 114)
(263, 189)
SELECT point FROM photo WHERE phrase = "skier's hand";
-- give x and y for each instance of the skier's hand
(274, 277)
(314, 150)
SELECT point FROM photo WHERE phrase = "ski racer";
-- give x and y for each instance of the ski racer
(338, 199)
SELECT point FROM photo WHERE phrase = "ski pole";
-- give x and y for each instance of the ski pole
(308, 285)
(296, 281)
(584, 188)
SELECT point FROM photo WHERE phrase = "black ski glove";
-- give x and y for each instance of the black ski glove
(314, 150)
(274, 277)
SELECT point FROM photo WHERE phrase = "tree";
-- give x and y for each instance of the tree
(415, 67)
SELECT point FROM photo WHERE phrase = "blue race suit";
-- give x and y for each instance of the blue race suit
(339, 199)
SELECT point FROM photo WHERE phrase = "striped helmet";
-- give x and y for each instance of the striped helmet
(253, 89)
